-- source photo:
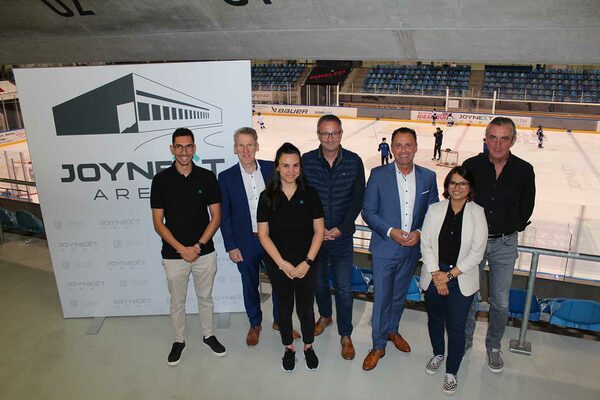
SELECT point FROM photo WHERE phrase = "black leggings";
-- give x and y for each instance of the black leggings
(303, 290)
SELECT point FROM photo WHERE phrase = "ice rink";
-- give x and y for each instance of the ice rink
(566, 216)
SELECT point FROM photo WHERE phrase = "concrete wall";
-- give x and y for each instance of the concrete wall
(487, 31)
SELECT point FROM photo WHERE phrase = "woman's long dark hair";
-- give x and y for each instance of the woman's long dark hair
(273, 190)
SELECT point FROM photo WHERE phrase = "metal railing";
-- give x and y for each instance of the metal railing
(9, 188)
(520, 345)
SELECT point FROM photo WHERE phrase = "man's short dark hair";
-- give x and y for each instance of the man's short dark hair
(182, 132)
(404, 130)
(329, 118)
(383, 139)
(502, 121)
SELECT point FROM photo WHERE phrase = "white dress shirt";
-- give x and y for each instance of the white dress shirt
(407, 187)
(254, 184)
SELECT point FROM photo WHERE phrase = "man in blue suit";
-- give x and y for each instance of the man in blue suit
(396, 200)
(241, 186)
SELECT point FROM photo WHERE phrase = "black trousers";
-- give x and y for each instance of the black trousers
(302, 291)
(448, 313)
(437, 149)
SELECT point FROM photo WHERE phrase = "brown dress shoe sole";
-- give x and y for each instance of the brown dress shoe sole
(253, 336)
(348, 352)
(402, 344)
(320, 328)
(371, 364)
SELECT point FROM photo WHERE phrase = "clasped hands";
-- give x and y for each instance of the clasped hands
(440, 281)
(190, 253)
(403, 238)
(299, 271)
(332, 234)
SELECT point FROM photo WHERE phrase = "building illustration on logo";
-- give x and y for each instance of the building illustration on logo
(132, 104)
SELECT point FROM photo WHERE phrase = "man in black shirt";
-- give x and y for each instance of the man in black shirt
(182, 196)
(506, 190)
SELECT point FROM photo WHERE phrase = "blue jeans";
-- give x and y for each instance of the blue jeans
(337, 255)
(501, 254)
(449, 313)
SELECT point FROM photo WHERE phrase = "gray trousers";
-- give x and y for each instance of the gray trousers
(500, 254)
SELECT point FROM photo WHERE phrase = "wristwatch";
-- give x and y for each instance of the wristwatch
(309, 261)
(450, 276)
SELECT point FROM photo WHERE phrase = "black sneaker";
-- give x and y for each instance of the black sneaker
(288, 362)
(312, 362)
(216, 347)
(175, 354)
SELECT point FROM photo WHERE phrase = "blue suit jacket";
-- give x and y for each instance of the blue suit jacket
(236, 226)
(381, 208)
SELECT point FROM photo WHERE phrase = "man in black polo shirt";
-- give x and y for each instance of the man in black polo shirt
(506, 190)
(182, 197)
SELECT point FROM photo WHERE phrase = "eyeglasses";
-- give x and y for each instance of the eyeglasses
(462, 184)
(180, 148)
(334, 135)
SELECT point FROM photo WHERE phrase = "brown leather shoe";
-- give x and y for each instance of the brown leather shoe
(295, 334)
(348, 352)
(321, 324)
(253, 335)
(372, 358)
(399, 342)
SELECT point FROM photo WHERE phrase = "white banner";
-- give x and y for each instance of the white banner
(97, 136)
(304, 110)
(258, 95)
(468, 118)
(12, 136)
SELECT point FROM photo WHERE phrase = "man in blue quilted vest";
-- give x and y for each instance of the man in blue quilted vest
(338, 175)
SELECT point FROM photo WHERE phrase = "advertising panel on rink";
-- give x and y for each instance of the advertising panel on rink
(281, 109)
(97, 136)
(468, 118)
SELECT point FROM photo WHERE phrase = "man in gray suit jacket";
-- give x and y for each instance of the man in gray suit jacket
(396, 200)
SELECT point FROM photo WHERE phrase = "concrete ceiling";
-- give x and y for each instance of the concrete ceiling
(507, 31)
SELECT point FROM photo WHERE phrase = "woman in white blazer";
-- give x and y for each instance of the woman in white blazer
(453, 241)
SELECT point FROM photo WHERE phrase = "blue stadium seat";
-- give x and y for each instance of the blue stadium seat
(516, 305)
(414, 291)
(8, 219)
(29, 222)
(573, 313)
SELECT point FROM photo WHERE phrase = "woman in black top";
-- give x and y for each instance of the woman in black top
(291, 229)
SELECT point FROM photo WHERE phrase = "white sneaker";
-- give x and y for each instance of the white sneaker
(434, 364)
(450, 384)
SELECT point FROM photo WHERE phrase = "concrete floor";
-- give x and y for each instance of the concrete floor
(47, 357)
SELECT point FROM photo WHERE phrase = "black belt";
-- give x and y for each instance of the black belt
(499, 235)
